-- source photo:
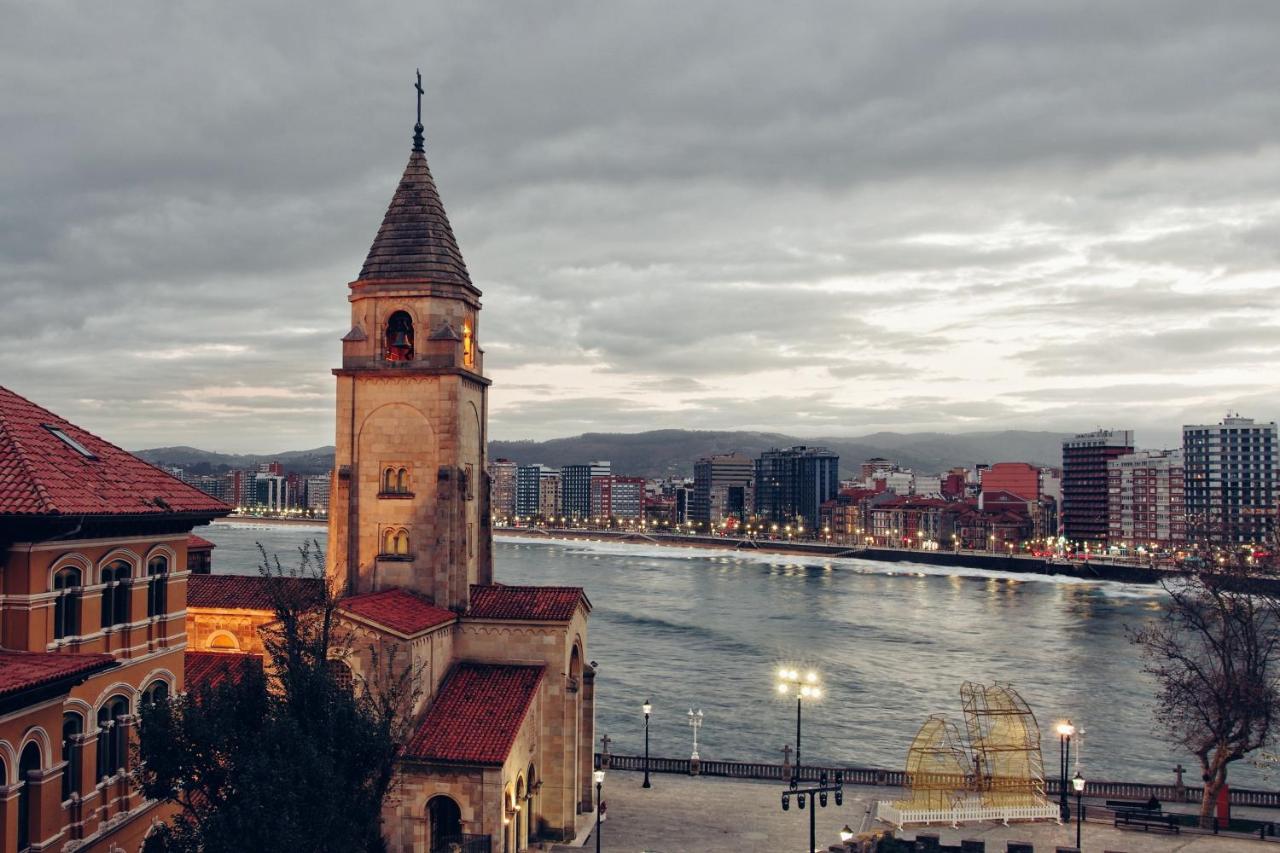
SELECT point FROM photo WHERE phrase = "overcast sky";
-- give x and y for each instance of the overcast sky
(822, 219)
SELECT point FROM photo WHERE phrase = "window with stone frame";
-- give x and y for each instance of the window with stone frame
(66, 606)
(157, 586)
(72, 736)
(115, 593)
(396, 481)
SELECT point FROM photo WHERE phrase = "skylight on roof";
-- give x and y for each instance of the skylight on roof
(70, 442)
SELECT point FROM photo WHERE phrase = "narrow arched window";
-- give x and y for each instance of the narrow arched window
(388, 480)
(340, 673)
(158, 691)
(157, 586)
(112, 745)
(28, 763)
(115, 593)
(402, 543)
(389, 541)
(66, 606)
(468, 346)
(72, 729)
(402, 481)
(399, 338)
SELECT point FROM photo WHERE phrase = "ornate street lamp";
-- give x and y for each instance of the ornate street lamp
(846, 834)
(1065, 731)
(1077, 782)
(599, 778)
(695, 723)
(647, 707)
(805, 688)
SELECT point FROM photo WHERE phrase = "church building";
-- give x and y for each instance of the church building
(501, 750)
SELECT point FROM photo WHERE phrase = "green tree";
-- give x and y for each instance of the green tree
(294, 758)
(1215, 655)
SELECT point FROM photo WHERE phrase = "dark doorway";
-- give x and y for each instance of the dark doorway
(446, 823)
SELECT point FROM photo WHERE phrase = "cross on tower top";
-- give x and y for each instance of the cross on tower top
(417, 128)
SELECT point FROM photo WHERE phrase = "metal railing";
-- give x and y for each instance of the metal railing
(462, 843)
(882, 778)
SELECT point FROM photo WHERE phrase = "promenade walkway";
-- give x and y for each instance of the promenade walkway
(682, 814)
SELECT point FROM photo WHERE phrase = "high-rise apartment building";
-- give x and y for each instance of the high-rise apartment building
(502, 489)
(1230, 477)
(723, 487)
(1145, 499)
(1084, 482)
(792, 485)
(530, 482)
(575, 486)
(617, 497)
(318, 492)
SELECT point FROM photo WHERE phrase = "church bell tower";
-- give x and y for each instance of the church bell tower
(409, 501)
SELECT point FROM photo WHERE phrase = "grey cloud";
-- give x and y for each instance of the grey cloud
(853, 194)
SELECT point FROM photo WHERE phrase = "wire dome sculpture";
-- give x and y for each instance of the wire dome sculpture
(994, 770)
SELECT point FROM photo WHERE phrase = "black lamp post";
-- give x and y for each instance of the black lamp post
(599, 777)
(805, 688)
(648, 708)
(817, 795)
(1077, 782)
(1065, 731)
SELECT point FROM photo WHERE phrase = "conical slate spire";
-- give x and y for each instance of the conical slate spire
(415, 240)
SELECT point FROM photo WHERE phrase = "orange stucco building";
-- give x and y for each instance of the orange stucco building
(93, 569)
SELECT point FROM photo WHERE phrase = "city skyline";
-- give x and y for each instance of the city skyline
(790, 220)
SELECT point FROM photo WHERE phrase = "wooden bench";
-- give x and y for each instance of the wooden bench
(1147, 819)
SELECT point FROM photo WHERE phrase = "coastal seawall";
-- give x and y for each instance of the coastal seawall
(1091, 570)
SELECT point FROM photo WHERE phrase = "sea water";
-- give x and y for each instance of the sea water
(694, 628)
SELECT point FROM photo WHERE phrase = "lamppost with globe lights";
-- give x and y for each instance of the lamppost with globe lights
(648, 708)
(1077, 782)
(1065, 731)
(599, 779)
(805, 688)
(695, 723)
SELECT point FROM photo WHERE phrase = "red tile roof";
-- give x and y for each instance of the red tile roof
(477, 715)
(527, 603)
(199, 543)
(41, 474)
(208, 669)
(399, 610)
(243, 592)
(23, 670)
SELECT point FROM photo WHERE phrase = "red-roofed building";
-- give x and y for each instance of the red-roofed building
(94, 550)
(479, 713)
(205, 670)
(397, 610)
(505, 727)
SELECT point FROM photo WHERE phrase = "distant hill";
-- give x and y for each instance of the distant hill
(665, 452)
(660, 453)
(197, 461)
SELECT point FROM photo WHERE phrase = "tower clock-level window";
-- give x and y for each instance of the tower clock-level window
(395, 481)
(399, 337)
(395, 543)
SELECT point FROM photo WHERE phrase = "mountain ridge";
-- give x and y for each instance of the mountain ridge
(671, 452)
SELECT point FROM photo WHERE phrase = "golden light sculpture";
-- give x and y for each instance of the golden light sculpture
(938, 768)
(994, 772)
(1005, 741)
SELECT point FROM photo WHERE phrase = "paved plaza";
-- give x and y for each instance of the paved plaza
(682, 814)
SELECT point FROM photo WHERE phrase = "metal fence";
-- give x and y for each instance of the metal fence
(463, 843)
(881, 778)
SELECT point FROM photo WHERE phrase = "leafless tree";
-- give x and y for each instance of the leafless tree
(1215, 654)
